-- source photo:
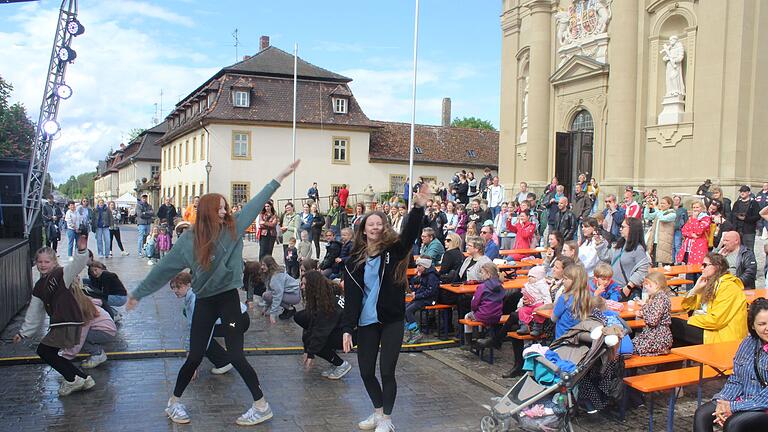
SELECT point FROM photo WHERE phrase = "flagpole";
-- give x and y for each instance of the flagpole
(295, 74)
(413, 104)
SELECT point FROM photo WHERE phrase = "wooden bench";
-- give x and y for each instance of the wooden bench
(478, 324)
(667, 380)
(515, 335)
(440, 310)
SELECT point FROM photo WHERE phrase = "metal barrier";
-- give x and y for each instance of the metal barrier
(15, 278)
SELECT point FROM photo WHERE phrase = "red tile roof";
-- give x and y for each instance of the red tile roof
(439, 145)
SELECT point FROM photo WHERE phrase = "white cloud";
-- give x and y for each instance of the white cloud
(116, 78)
(384, 91)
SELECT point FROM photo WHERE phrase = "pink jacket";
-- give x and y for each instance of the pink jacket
(103, 322)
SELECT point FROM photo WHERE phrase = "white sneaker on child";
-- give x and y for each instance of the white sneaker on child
(94, 360)
(177, 412)
(222, 370)
(385, 425)
(371, 422)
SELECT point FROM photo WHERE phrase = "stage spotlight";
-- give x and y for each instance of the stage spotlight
(63, 91)
(51, 127)
(75, 28)
(66, 54)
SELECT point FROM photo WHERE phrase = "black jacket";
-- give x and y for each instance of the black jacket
(167, 212)
(106, 285)
(746, 267)
(332, 251)
(390, 306)
(429, 285)
(436, 222)
(344, 254)
(565, 222)
(315, 336)
(751, 211)
(450, 266)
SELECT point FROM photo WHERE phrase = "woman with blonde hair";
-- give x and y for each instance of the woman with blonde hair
(214, 253)
(453, 258)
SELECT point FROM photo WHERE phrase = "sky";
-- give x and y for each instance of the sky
(132, 50)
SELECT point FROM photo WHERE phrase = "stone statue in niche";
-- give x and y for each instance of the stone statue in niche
(673, 54)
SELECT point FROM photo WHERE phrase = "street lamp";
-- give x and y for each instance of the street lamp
(208, 168)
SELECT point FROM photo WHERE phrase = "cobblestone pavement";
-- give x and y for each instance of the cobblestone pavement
(438, 390)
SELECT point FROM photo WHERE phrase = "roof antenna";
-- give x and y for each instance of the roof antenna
(237, 43)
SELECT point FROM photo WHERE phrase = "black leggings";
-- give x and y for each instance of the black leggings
(316, 234)
(51, 356)
(685, 334)
(115, 234)
(215, 352)
(390, 336)
(226, 306)
(742, 421)
(266, 245)
(333, 343)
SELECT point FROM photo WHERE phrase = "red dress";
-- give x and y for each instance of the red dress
(695, 242)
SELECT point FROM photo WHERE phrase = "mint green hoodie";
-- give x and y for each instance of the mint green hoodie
(226, 271)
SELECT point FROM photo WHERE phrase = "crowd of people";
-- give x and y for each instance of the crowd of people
(593, 258)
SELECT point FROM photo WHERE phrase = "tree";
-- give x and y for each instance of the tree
(17, 132)
(77, 187)
(472, 122)
(133, 133)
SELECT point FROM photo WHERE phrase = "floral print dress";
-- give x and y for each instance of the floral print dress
(656, 337)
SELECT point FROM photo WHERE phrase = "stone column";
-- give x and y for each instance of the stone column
(618, 155)
(535, 168)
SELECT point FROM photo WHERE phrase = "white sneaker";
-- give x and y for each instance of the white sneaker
(118, 317)
(340, 371)
(125, 253)
(150, 262)
(177, 412)
(328, 371)
(222, 370)
(254, 416)
(94, 360)
(371, 422)
(385, 425)
(67, 387)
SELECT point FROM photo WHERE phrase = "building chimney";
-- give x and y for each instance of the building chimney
(263, 43)
(446, 112)
(246, 57)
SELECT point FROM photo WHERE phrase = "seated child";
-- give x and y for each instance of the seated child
(603, 285)
(575, 304)
(425, 295)
(535, 294)
(180, 285)
(282, 291)
(107, 287)
(487, 303)
(656, 337)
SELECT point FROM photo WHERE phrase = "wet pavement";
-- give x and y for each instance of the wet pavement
(438, 390)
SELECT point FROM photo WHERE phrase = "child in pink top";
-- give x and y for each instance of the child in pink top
(535, 294)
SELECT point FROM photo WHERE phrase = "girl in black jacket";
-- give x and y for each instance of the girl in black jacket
(374, 287)
(317, 227)
(321, 321)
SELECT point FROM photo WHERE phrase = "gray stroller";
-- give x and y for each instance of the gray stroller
(576, 346)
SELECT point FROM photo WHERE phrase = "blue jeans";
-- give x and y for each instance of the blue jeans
(495, 212)
(102, 241)
(677, 244)
(143, 233)
(71, 237)
(116, 300)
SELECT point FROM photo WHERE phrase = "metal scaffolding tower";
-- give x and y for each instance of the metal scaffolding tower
(47, 126)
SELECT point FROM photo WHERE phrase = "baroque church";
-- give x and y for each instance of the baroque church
(650, 93)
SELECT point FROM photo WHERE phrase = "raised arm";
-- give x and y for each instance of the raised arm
(254, 206)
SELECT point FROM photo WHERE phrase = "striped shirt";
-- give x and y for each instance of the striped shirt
(743, 388)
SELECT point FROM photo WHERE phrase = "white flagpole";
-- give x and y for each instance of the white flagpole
(295, 73)
(413, 104)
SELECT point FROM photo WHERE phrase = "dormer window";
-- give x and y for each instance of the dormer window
(339, 105)
(472, 153)
(240, 98)
(418, 150)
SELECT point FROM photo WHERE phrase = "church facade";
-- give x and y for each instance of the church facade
(649, 93)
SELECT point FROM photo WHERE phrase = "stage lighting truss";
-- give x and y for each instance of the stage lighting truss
(63, 91)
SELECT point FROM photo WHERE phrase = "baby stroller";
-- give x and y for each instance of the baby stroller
(576, 346)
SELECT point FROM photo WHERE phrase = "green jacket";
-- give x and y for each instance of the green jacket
(291, 222)
(226, 270)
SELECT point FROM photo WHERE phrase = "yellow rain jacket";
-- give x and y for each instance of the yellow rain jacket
(726, 316)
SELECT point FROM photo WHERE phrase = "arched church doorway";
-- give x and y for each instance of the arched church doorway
(573, 151)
